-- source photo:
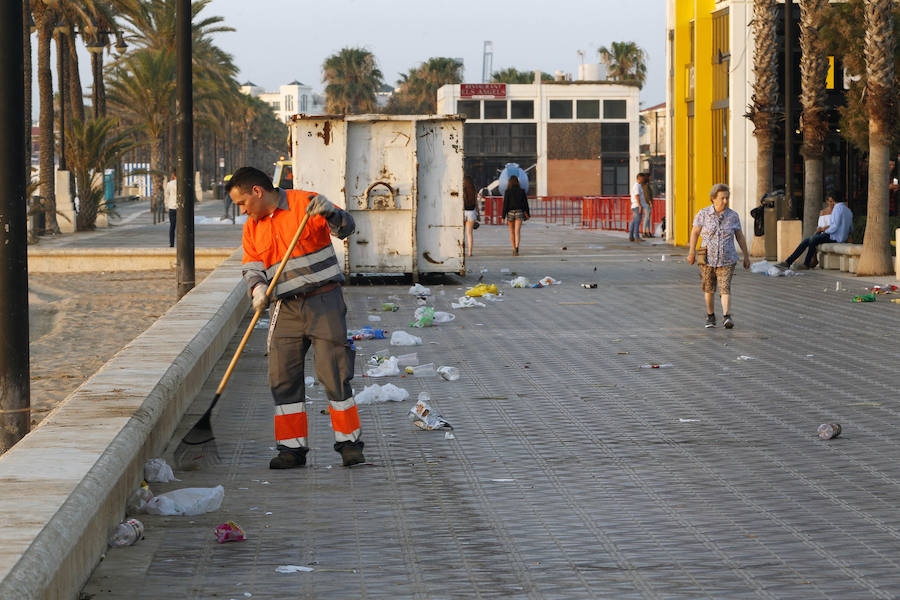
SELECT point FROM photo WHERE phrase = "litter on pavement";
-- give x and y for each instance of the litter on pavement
(519, 282)
(401, 338)
(425, 417)
(426, 370)
(387, 368)
(423, 317)
(419, 290)
(292, 569)
(375, 393)
(656, 366)
(829, 431)
(466, 302)
(156, 470)
(864, 298)
(482, 289)
(187, 501)
(229, 532)
(137, 500)
(548, 281)
(448, 373)
(374, 318)
(744, 357)
(443, 317)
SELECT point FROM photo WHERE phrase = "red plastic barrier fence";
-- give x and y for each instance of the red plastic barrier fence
(587, 212)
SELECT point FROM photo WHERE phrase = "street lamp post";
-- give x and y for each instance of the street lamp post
(184, 118)
(15, 403)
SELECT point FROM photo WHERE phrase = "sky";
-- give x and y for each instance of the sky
(278, 41)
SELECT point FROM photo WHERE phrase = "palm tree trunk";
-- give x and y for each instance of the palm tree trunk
(876, 253)
(158, 178)
(44, 20)
(763, 106)
(813, 70)
(76, 95)
(63, 113)
(98, 91)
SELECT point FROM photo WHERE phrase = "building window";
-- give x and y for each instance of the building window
(587, 109)
(288, 103)
(304, 103)
(276, 104)
(614, 109)
(471, 109)
(495, 109)
(504, 139)
(614, 176)
(521, 109)
(560, 109)
(614, 137)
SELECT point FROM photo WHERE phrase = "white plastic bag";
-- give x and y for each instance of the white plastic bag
(387, 368)
(381, 393)
(466, 302)
(419, 290)
(443, 317)
(761, 266)
(401, 338)
(157, 471)
(187, 501)
(548, 281)
(519, 282)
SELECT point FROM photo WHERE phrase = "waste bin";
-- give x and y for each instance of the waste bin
(109, 188)
(774, 210)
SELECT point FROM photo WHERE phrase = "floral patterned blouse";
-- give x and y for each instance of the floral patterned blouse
(717, 231)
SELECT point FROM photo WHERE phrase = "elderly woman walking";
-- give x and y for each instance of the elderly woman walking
(719, 226)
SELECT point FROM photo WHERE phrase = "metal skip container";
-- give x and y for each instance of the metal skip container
(401, 179)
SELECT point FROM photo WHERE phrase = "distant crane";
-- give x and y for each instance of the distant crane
(487, 63)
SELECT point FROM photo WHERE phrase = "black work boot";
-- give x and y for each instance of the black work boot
(351, 452)
(288, 459)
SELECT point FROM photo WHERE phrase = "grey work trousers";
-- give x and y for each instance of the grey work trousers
(319, 322)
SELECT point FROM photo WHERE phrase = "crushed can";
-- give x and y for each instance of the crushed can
(828, 431)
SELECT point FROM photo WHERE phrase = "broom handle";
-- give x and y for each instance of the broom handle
(258, 314)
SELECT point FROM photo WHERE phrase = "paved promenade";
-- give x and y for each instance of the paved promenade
(574, 472)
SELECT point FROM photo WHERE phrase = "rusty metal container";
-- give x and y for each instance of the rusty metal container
(401, 179)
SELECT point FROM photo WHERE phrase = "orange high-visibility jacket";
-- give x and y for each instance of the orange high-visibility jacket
(313, 262)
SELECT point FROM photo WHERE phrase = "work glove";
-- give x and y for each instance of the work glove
(260, 300)
(319, 205)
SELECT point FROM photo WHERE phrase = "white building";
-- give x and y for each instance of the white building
(290, 99)
(573, 137)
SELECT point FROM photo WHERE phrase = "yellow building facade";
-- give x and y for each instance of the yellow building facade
(709, 59)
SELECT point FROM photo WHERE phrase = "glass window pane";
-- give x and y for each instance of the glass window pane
(587, 109)
(560, 109)
(471, 109)
(614, 109)
(522, 109)
(495, 109)
(614, 137)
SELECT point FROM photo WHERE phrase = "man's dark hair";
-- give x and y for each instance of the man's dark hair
(246, 177)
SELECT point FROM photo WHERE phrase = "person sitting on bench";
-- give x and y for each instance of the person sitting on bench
(837, 231)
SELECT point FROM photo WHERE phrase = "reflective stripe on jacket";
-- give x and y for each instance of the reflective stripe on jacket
(313, 262)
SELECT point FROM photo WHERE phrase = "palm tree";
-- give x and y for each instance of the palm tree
(352, 78)
(813, 69)
(625, 61)
(513, 75)
(876, 254)
(26, 46)
(142, 91)
(94, 146)
(763, 108)
(417, 90)
(45, 15)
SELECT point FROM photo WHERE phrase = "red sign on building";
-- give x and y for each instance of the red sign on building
(482, 91)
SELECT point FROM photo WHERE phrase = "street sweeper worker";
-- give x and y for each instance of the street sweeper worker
(308, 311)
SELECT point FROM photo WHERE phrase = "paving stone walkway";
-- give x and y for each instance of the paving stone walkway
(574, 472)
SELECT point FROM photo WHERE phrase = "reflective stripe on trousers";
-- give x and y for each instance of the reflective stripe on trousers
(291, 425)
(345, 420)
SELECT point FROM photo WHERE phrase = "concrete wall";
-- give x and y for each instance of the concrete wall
(94, 260)
(64, 486)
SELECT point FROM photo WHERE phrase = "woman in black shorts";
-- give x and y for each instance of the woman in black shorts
(515, 211)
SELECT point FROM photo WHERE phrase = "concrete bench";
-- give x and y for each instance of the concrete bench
(833, 255)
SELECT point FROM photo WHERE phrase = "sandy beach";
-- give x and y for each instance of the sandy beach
(79, 321)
